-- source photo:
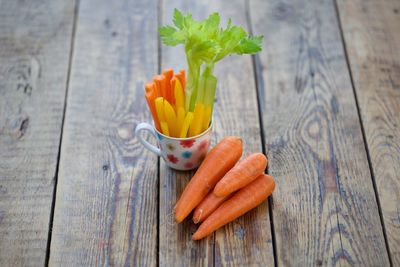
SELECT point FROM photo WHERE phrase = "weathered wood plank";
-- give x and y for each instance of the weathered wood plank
(372, 36)
(325, 211)
(247, 241)
(176, 247)
(106, 205)
(35, 42)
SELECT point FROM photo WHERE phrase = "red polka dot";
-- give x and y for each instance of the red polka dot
(188, 165)
(172, 158)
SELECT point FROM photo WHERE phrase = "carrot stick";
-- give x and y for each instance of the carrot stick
(181, 75)
(186, 123)
(161, 86)
(167, 75)
(241, 202)
(242, 174)
(151, 95)
(172, 83)
(210, 203)
(218, 161)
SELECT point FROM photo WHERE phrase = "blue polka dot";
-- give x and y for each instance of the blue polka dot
(187, 154)
(160, 137)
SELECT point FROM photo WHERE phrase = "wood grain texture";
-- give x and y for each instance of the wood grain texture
(106, 205)
(247, 240)
(325, 211)
(176, 247)
(35, 41)
(372, 36)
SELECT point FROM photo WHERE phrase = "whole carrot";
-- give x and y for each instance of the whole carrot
(210, 203)
(242, 174)
(241, 202)
(218, 161)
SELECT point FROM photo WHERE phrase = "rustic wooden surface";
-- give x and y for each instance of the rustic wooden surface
(372, 38)
(321, 100)
(314, 140)
(248, 240)
(106, 204)
(35, 40)
(176, 247)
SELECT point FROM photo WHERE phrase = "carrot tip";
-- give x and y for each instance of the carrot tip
(218, 193)
(178, 220)
(197, 219)
(196, 236)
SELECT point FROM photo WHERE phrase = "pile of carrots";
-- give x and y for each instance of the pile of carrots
(221, 191)
(165, 96)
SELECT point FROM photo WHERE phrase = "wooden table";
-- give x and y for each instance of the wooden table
(322, 101)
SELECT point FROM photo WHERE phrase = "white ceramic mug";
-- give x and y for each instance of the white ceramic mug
(178, 153)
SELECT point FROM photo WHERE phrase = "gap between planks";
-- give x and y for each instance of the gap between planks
(159, 22)
(53, 203)
(339, 22)
(259, 86)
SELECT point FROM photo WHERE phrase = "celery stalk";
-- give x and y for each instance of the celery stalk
(206, 43)
(192, 84)
(209, 94)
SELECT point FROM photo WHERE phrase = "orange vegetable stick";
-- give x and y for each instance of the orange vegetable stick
(151, 95)
(161, 86)
(242, 174)
(172, 82)
(218, 161)
(241, 202)
(181, 75)
(167, 75)
(210, 203)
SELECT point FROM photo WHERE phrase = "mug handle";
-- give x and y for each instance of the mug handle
(147, 127)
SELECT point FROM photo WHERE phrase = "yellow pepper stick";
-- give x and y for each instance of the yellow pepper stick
(164, 128)
(170, 117)
(186, 124)
(179, 95)
(159, 102)
(160, 108)
(195, 127)
(206, 118)
(180, 117)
